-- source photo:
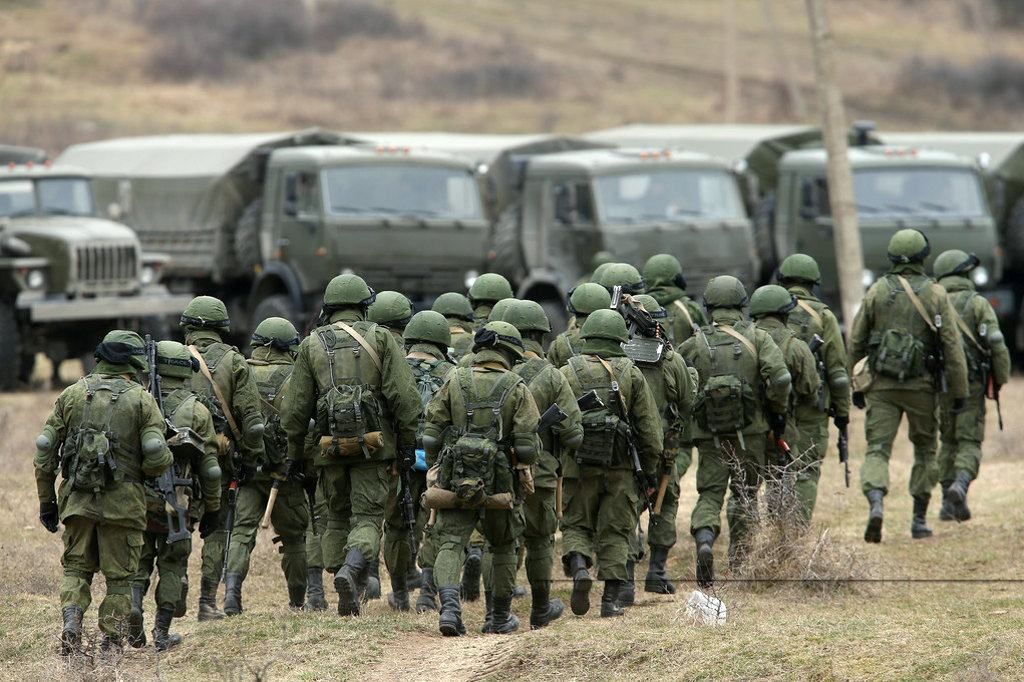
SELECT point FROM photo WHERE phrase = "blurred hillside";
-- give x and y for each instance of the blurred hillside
(73, 70)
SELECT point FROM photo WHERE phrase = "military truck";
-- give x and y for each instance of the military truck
(265, 221)
(66, 275)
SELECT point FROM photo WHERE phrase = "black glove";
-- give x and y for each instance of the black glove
(407, 457)
(309, 479)
(210, 523)
(959, 405)
(49, 516)
(858, 400)
(777, 422)
(841, 422)
(245, 474)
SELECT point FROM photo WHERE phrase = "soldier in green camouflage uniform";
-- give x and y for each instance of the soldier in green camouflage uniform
(621, 275)
(743, 393)
(493, 421)
(903, 346)
(548, 387)
(273, 342)
(352, 376)
(596, 261)
(987, 357)
(487, 289)
(770, 306)
(315, 599)
(799, 273)
(105, 435)
(457, 310)
(196, 462)
(665, 282)
(236, 416)
(583, 300)
(600, 509)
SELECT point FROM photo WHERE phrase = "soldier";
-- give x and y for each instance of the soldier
(623, 275)
(906, 328)
(770, 307)
(105, 435)
(426, 343)
(352, 375)
(988, 363)
(273, 342)
(315, 598)
(457, 310)
(548, 387)
(196, 462)
(493, 422)
(602, 499)
(674, 387)
(487, 289)
(665, 282)
(583, 300)
(799, 273)
(743, 393)
(600, 258)
(225, 386)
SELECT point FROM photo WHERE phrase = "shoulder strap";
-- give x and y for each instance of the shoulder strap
(918, 305)
(966, 331)
(739, 337)
(686, 313)
(235, 431)
(362, 342)
(616, 393)
(809, 309)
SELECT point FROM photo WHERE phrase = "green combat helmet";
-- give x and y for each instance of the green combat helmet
(601, 258)
(527, 316)
(276, 332)
(348, 290)
(174, 360)
(664, 269)
(501, 335)
(955, 262)
(605, 324)
(206, 312)
(624, 275)
(771, 300)
(586, 298)
(122, 347)
(453, 304)
(799, 268)
(909, 246)
(724, 291)
(595, 276)
(499, 310)
(489, 288)
(428, 326)
(391, 309)
(651, 305)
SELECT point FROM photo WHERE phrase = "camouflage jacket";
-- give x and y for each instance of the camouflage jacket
(811, 317)
(803, 370)
(183, 409)
(683, 312)
(985, 345)
(675, 392)
(566, 345)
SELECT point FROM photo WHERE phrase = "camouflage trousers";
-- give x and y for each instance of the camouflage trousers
(213, 544)
(961, 435)
(738, 469)
(540, 524)
(661, 529)
(171, 563)
(600, 513)
(356, 496)
(397, 552)
(885, 410)
(290, 519)
(499, 528)
(809, 452)
(92, 547)
(315, 531)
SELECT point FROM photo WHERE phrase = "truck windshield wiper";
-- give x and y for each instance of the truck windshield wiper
(348, 209)
(935, 207)
(687, 211)
(58, 211)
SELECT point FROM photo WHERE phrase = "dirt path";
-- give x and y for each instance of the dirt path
(419, 656)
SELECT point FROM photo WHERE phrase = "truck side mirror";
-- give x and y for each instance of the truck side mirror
(291, 195)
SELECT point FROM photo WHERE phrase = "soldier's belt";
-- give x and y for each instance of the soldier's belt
(333, 446)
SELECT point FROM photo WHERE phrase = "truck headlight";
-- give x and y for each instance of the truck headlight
(867, 278)
(979, 276)
(148, 275)
(35, 279)
(470, 277)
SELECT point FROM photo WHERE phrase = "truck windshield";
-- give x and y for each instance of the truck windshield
(669, 194)
(421, 191)
(899, 191)
(16, 198)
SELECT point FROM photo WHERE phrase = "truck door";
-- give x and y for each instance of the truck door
(300, 227)
(570, 227)
(811, 226)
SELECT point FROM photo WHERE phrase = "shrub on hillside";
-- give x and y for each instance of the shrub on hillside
(997, 80)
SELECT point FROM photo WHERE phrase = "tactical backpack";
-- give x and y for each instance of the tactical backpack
(349, 412)
(427, 384)
(270, 382)
(202, 386)
(91, 461)
(474, 467)
(727, 402)
(897, 352)
(179, 408)
(605, 432)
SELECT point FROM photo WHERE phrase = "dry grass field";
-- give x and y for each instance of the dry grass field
(958, 621)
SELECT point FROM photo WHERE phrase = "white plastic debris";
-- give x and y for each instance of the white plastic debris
(705, 610)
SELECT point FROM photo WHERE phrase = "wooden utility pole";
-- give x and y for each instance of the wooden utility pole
(732, 76)
(785, 64)
(849, 257)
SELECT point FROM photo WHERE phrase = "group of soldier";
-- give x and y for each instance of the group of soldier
(453, 443)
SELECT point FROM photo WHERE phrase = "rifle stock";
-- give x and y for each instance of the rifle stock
(844, 454)
(177, 515)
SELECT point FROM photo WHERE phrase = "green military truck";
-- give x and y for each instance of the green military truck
(66, 275)
(264, 221)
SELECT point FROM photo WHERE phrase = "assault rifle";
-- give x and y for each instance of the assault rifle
(815, 345)
(646, 337)
(554, 415)
(843, 446)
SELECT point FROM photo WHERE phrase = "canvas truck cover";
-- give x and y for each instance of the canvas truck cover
(183, 194)
(20, 155)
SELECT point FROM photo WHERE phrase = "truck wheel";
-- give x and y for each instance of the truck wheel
(247, 236)
(764, 235)
(10, 349)
(278, 305)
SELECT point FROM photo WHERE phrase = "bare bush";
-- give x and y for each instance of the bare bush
(993, 81)
(512, 72)
(337, 20)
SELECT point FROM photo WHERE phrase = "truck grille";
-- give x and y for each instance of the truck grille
(108, 268)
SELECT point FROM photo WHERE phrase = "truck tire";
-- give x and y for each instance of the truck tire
(558, 316)
(247, 237)
(11, 359)
(764, 235)
(278, 305)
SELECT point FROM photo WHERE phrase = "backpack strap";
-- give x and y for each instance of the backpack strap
(615, 393)
(686, 313)
(968, 334)
(505, 384)
(235, 431)
(809, 309)
(370, 350)
(742, 338)
(918, 305)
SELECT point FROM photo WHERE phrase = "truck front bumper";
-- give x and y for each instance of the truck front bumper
(149, 303)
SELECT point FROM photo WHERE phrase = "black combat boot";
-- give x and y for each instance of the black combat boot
(413, 579)
(182, 606)
(919, 526)
(488, 626)
(505, 622)
(579, 602)
(704, 539)
(450, 620)
(471, 574)
(208, 601)
(398, 598)
(873, 532)
(543, 609)
(958, 496)
(346, 582)
(136, 626)
(232, 594)
(296, 596)
(163, 639)
(71, 635)
(946, 511)
(427, 599)
(627, 587)
(611, 600)
(111, 646)
(315, 600)
(657, 581)
(370, 585)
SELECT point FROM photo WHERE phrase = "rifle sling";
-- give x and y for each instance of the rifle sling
(362, 342)
(232, 424)
(918, 305)
(806, 307)
(684, 311)
(739, 337)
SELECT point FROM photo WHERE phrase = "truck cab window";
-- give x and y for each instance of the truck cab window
(300, 193)
(573, 203)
